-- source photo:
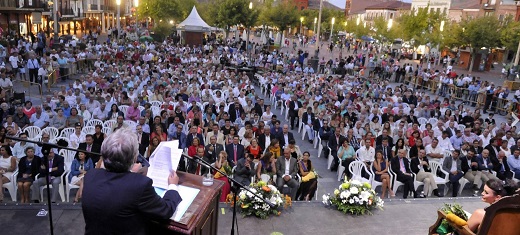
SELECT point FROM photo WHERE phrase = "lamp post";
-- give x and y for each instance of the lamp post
(136, 4)
(56, 25)
(332, 28)
(249, 32)
(315, 19)
(301, 25)
(315, 60)
(118, 26)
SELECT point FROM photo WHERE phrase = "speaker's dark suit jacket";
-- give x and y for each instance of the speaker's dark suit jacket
(123, 203)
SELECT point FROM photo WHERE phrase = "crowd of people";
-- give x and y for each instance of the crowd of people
(164, 92)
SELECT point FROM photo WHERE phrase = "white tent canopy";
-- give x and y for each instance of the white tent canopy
(194, 22)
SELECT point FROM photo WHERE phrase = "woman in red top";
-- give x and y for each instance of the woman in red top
(192, 149)
(159, 133)
(28, 109)
(254, 149)
(413, 138)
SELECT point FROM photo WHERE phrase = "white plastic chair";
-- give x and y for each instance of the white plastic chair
(68, 155)
(422, 121)
(393, 178)
(156, 111)
(67, 132)
(11, 185)
(435, 168)
(89, 130)
(32, 131)
(374, 182)
(109, 123)
(53, 132)
(61, 190)
(433, 121)
(131, 124)
(94, 122)
(123, 108)
(107, 130)
(156, 103)
(461, 127)
(265, 177)
(329, 159)
(341, 169)
(356, 168)
(141, 109)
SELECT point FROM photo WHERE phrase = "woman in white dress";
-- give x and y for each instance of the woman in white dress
(77, 137)
(84, 112)
(7, 167)
(267, 115)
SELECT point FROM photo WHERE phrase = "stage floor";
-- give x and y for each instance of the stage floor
(399, 217)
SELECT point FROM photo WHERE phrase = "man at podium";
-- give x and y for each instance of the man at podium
(117, 201)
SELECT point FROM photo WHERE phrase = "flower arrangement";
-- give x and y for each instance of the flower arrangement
(251, 205)
(455, 214)
(354, 197)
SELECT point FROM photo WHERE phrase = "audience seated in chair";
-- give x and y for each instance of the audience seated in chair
(266, 165)
(28, 167)
(245, 169)
(56, 166)
(309, 182)
(79, 167)
(401, 167)
(220, 164)
(452, 165)
(7, 168)
(380, 168)
(286, 171)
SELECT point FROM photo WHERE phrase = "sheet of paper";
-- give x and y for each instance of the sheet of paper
(187, 194)
(163, 160)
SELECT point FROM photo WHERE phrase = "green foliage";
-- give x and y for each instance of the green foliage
(422, 26)
(382, 32)
(165, 10)
(455, 209)
(510, 33)
(481, 32)
(283, 15)
(227, 13)
(359, 30)
(163, 30)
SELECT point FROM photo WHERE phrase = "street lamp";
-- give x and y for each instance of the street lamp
(315, 20)
(136, 4)
(301, 25)
(249, 32)
(390, 23)
(118, 3)
(332, 28)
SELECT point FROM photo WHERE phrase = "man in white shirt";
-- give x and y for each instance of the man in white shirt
(434, 152)
(39, 119)
(101, 112)
(485, 137)
(19, 147)
(444, 142)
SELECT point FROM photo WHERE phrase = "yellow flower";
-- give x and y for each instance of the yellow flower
(336, 192)
(245, 206)
(345, 185)
(261, 183)
(367, 185)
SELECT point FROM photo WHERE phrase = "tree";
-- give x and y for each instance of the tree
(479, 33)
(422, 27)
(165, 10)
(510, 34)
(282, 16)
(383, 31)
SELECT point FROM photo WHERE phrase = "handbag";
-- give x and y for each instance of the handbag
(309, 176)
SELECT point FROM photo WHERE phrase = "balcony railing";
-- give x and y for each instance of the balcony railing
(95, 7)
(16, 3)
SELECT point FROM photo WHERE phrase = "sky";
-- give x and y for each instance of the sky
(341, 3)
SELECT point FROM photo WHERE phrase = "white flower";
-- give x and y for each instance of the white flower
(253, 190)
(351, 201)
(360, 202)
(356, 199)
(355, 182)
(354, 190)
(273, 188)
(325, 199)
(242, 195)
(343, 195)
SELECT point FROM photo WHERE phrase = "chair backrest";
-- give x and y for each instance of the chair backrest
(109, 123)
(461, 127)
(433, 121)
(89, 130)
(32, 131)
(435, 166)
(265, 177)
(356, 169)
(500, 217)
(131, 124)
(67, 154)
(123, 108)
(67, 132)
(94, 122)
(52, 131)
(107, 130)
(156, 111)
(156, 103)
(141, 108)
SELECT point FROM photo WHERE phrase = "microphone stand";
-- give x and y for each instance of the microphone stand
(46, 148)
(203, 162)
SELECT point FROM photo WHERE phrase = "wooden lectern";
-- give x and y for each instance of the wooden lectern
(201, 218)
